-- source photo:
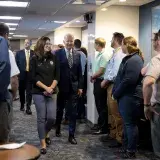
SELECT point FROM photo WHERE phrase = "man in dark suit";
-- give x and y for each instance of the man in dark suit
(23, 58)
(70, 85)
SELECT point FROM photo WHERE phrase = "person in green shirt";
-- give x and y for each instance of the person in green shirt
(100, 94)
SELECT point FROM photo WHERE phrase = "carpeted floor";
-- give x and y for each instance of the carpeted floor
(89, 147)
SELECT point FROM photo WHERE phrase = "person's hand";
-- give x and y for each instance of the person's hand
(91, 79)
(113, 97)
(80, 91)
(103, 84)
(49, 90)
(148, 111)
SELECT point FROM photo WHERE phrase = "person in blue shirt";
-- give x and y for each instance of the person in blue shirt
(81, 100)
(127, 90)
(5, 99)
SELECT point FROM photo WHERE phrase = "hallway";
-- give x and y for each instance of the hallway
(89, 147)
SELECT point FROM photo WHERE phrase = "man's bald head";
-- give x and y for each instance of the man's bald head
(68, 41)
(27, 43)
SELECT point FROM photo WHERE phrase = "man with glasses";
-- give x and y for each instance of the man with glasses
(151, 94)
(23, 62)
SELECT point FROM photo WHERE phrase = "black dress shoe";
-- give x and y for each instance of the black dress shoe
(48, 141)
(99, 132)
(72, 140)
(58, 131)
(29, 112)
(22, 108)
(115, 145)
(105, 138)
(95, 128)
(43, 151)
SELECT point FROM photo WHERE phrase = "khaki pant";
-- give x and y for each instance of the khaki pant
(114, 116)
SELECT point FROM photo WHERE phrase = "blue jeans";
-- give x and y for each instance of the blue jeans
(45, 116)
(129, 108)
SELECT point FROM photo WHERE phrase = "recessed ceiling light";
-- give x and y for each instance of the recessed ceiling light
(13, 4)
(60, 21)
(10, 17)
(16, 35)
(104, 9)
(12, 29)
(11, 24)
(78, 21)
(122, 0)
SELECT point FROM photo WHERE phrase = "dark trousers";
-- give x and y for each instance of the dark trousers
(81, 107)
(129, 108)
(25, 88)
(5, 119)
(71, 99)
(100, 96)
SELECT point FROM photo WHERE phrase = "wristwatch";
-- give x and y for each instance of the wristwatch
(147, 105)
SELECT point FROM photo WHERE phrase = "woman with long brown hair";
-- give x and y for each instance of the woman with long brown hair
(45, 75)
(127, 91)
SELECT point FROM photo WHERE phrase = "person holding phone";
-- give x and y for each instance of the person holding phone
(45, 76)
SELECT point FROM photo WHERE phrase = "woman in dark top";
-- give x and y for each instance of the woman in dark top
(45, 75)
(127, 91)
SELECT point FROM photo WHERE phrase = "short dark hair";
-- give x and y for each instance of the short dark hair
(77, 43)
(61, 46)
(84, 50)
(4, 29)
(157, 36)
(119, 37)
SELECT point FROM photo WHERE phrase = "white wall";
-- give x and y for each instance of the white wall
(85, 38)
(61, 32)
(124, 19)
(21, 43)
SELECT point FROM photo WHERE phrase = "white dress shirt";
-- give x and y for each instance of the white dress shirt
(114, 64)
(14, 68)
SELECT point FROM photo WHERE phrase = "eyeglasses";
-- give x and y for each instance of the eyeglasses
(48, 44)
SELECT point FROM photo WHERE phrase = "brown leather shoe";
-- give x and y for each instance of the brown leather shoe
(65, 122)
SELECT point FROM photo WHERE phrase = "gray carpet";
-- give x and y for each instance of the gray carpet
(89, 147)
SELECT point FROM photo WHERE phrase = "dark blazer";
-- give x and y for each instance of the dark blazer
(21, 62)
(45, 70)
(129, 79)
(71, 79)
(5, 69)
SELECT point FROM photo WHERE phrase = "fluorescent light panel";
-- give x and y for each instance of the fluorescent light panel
(13, 4)
(12, 29)
(60, 21)
(11, 33)
(11, 24)
(78, 21)
(16, 35)
(10, 17)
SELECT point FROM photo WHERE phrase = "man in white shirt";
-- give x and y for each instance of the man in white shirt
(109, 78)
(13, 87)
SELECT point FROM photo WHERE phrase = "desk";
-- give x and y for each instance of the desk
(27, 152)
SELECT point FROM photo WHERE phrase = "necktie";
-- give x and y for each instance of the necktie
(70, 60)
(27, 61)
